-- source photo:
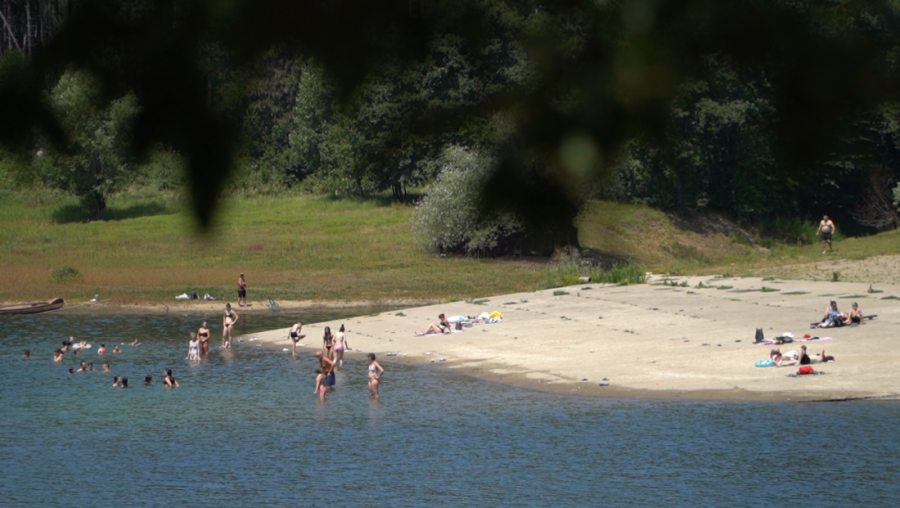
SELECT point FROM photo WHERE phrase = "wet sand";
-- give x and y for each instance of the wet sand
(649, 340)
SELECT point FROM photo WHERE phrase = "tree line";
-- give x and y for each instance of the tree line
(759, 108)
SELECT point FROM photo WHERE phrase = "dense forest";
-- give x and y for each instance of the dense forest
(509, 113)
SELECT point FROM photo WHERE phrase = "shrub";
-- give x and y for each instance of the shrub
(64, 274)
(449, 218)
(620, 273)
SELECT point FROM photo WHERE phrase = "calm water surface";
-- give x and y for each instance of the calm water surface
(245, 429)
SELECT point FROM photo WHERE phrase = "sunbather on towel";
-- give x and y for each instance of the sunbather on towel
(786, 359)
(442, 327)
(855, 316)
(832, 317)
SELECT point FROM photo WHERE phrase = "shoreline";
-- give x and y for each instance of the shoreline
(202, 306)
(652, 341)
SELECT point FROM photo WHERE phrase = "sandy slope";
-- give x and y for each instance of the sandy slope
(649, 340)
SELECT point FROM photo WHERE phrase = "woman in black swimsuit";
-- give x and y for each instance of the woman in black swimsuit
(328, 343)
(228, 322)
(203, 335)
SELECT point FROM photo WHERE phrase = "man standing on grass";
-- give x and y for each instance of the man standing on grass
(242, 291)
(826, 227)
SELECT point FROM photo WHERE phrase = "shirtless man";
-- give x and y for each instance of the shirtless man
(327, 365)
(855, 315)
(826, 228)
(295, 336)
(242, 291)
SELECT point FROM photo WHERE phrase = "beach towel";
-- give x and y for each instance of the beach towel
(765, 363)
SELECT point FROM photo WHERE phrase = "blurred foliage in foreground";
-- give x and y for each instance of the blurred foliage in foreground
(758, 107)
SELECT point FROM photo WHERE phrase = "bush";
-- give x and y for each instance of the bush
(64, 274)
(448, 219)
(620, 273)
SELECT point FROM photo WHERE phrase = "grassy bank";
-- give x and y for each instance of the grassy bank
(290, 247)
(315, 248)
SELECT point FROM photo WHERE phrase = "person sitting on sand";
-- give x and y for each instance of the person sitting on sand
(443, 326)
(116, 350)
(295, 336)
(832, 317)
(854, 316)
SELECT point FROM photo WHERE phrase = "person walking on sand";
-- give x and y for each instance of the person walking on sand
(375, 373)
(295, 336)
(826, 228)
(228, 320)
(193, 348)
(327, 365)
(242, 291)
(340, 343)
(203, 337)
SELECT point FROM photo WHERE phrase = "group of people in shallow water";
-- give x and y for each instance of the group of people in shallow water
(331, 358)
(85, 366)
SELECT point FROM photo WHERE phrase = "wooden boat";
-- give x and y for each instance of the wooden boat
(32, 307)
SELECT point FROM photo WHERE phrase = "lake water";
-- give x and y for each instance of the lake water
(245, 429)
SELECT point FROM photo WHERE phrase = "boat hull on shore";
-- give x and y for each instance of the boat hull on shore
(32, 307)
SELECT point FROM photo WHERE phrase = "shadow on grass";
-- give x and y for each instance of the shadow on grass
(381, 199)
(77, 213)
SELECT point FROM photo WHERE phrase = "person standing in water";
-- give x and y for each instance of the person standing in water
(203, 338)
(340, 343)
(295, 336)
(228, 321)
(327, 366)
(375, 372)
(170, 379)
(194, 348)
(328, 343)
(320, 388)
(242, 291)
(826, 228)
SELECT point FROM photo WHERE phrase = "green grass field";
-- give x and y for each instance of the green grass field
(315, 248)
(289, 247)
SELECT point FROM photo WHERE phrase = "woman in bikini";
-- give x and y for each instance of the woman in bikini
(375, 372)
(340, 343)
(295, 336)
(443, 326)
(194, 348)
(328, 344)
(203, 335)
(228, 321)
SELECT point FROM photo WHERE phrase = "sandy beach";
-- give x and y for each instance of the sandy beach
(649, 340)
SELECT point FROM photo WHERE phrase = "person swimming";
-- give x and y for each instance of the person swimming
(58, 356)
(170, 379)
(106, 369)
(148, 380)
(26, 354)
(102, 350)
(116, 350)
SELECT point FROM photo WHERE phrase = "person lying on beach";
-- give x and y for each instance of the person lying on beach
(784, 360)
(295, 336)
(443, 326)
(832, 317)
(804, 358)
(821, 358)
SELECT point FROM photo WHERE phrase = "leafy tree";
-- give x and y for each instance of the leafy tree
(450, 219)
(95, 160)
